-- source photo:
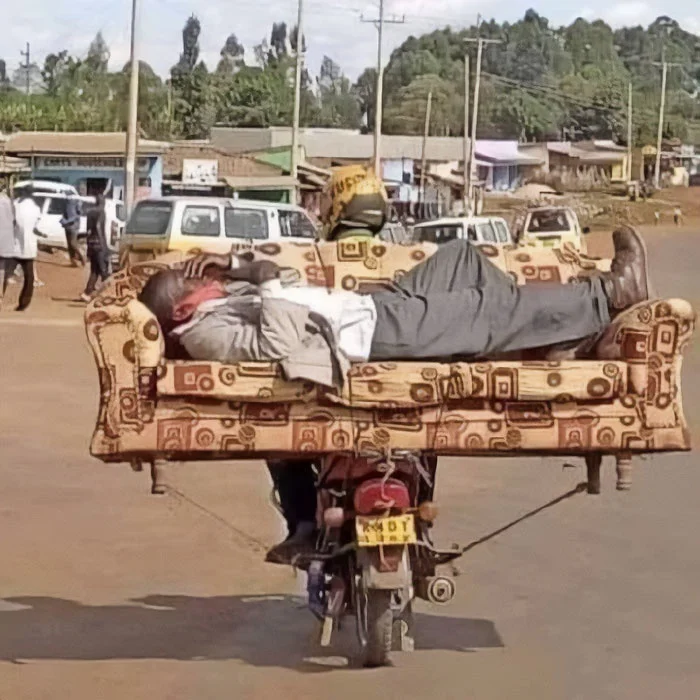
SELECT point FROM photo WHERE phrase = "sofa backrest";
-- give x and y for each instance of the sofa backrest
(363, 265)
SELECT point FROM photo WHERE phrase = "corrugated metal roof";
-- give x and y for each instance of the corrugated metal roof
(10, 165)
(77, 143)
(229, 165)
(505, 152)
(339, 144)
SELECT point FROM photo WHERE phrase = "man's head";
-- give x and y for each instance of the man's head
(173, 298)
(353, 198)
(100, 201)
(27, 192)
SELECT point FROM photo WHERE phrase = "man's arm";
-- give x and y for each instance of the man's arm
(227, 336)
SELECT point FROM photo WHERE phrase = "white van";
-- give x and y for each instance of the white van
(480, 230)
(212, 224)
(552, 227)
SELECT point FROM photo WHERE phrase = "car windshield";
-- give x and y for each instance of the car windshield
(548, 222)
(150, 219)
(437, 234)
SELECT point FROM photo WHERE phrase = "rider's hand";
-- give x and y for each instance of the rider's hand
(196, 268)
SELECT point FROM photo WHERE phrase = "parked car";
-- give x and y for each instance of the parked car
(51, 198)
(480, 230)
(552, 227)
(46, 186)
(394, 232)
(210, 223)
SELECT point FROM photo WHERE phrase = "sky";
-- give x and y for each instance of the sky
(332, 27)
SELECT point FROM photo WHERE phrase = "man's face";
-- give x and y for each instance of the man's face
(194, 293)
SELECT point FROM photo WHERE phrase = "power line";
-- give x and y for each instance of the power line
(553, 92)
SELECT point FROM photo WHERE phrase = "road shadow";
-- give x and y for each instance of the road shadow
(267, 631)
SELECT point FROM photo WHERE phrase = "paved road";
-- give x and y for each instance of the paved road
(108, 592)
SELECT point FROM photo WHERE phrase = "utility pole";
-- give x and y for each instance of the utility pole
(379, 96)
(480, 42)
(465, 151)
(27, 63)
(662, 108)
(294, 172)
(629, 132)
(131, 131)
(426, 132)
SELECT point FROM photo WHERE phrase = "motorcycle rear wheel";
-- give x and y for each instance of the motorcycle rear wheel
(380, 624)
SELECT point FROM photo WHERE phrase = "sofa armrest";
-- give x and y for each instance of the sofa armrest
(128, 346)
(651, 338)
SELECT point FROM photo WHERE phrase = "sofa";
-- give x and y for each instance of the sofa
(623, 398)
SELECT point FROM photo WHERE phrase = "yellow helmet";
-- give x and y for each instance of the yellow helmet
(353, 198)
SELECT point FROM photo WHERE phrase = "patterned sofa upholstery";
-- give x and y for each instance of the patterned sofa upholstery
(625, 400)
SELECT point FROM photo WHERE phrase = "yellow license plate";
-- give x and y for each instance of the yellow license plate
(372, 532)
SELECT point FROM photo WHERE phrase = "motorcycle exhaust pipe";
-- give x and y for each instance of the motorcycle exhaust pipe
(439, 590)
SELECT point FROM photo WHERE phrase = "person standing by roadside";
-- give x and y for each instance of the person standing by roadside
(7, 236)
(24, 251)
(71, 225)
(97, 249)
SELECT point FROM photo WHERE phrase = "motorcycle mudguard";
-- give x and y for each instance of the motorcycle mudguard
(369, 561)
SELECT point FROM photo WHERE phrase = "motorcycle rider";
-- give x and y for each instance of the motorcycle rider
(353, 207)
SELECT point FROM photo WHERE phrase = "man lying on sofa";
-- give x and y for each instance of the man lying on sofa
(455, 303)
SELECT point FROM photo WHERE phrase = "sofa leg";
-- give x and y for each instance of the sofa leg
(624, 472)
(593, 463)
(158, 486)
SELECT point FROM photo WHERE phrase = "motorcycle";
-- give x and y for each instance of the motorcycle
(374, 554)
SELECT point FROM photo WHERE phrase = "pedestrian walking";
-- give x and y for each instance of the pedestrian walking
(97, 248)
(678, 216)
(25, 217)
(71, 225)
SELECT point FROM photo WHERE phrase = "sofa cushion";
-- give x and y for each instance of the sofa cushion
(405, 384)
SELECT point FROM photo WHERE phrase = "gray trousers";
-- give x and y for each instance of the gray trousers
(457, 303)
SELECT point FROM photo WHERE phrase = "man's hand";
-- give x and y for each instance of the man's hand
(258, 272)
(196, 267)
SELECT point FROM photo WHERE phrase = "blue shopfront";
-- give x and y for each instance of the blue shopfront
(99, 174)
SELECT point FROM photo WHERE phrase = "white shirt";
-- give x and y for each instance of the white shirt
(7, 227)
(27, 214)
(352, 317)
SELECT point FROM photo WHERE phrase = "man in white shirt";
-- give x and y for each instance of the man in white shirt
(454, 304)
(23, 250)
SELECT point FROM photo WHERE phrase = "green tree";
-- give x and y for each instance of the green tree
(193, 104)
(232, 56)
(366, 89)
(337, 104)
